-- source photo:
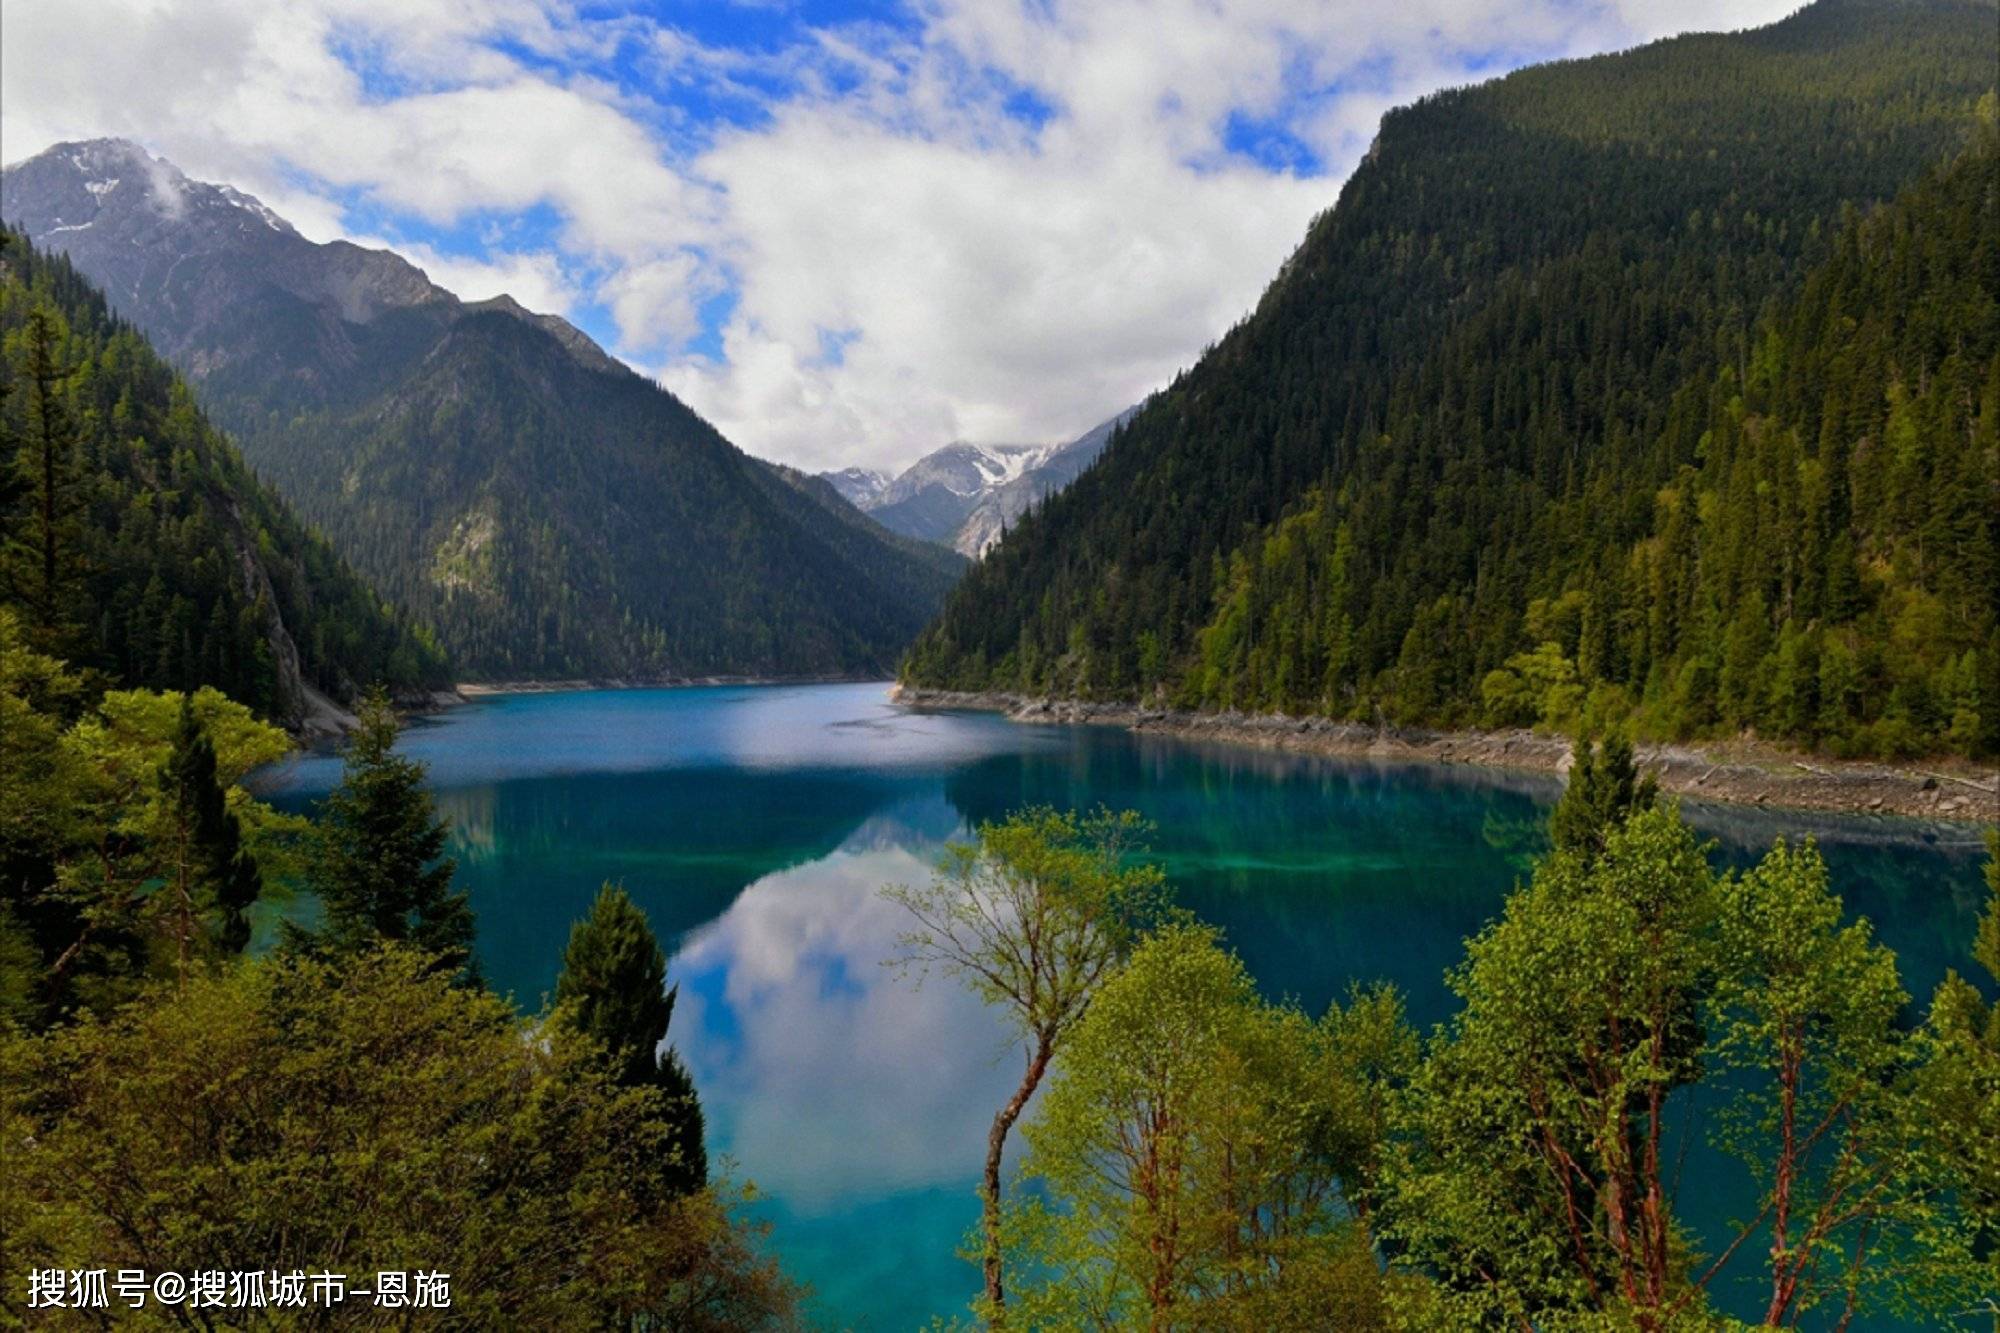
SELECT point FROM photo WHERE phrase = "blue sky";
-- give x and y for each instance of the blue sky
(847, 233)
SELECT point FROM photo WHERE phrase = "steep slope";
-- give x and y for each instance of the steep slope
(551, 513)
(965, 495)
(175, 566)
(938, 560)
(1486, 377)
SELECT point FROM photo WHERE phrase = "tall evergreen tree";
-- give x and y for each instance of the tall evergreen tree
(12, 484)
(43, 551)
(379, 868)
(613, 989)
(212, 878)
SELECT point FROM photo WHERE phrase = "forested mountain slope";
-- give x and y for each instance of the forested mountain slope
(557, 519)
(1537, 423)
(550, 512)
(939, 560)
(134, 540)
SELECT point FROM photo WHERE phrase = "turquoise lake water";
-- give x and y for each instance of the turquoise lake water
(756, 824)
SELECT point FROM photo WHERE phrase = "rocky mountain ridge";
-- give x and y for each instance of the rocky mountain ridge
(176, 255)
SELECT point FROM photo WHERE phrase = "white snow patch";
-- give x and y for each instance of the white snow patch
(101, 188)
(1004, 465)
(253, 206)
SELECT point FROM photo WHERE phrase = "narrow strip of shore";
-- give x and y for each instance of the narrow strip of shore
(1734, 773)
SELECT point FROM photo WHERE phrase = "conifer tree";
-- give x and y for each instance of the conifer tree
(1604, 790)
(380, 869)
(213, 879)
(613, 989)
(13, 485)
(42, 556)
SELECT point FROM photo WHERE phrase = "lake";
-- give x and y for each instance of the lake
(756, 825)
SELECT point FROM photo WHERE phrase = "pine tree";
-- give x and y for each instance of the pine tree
(380, 869)
(42, 556)
(613, 989)
(212, 877)
(13, 481)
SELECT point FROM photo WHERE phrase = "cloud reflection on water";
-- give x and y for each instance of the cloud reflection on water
(836, 1077)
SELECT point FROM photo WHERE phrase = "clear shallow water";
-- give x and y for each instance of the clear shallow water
(755, 825)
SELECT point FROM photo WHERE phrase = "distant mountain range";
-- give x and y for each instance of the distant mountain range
(966, 495)
(549, 512)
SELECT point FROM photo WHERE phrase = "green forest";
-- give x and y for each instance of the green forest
(1657, 390)
(135, 543)
(544, 510)
(1653, 395)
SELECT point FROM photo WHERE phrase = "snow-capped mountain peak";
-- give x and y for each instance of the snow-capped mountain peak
(859, 486)
(115, 184)
(253, 206)
(141, 227)
(964, 495)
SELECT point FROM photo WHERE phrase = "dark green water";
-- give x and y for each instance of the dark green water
(756, 824)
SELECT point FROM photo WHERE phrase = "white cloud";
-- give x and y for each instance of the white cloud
(657, 300)
(825, 1072)
(1016, 293)
(984, 278)
(262, 94)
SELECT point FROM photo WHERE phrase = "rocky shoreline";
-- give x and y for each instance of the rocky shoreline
(1735, 773)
